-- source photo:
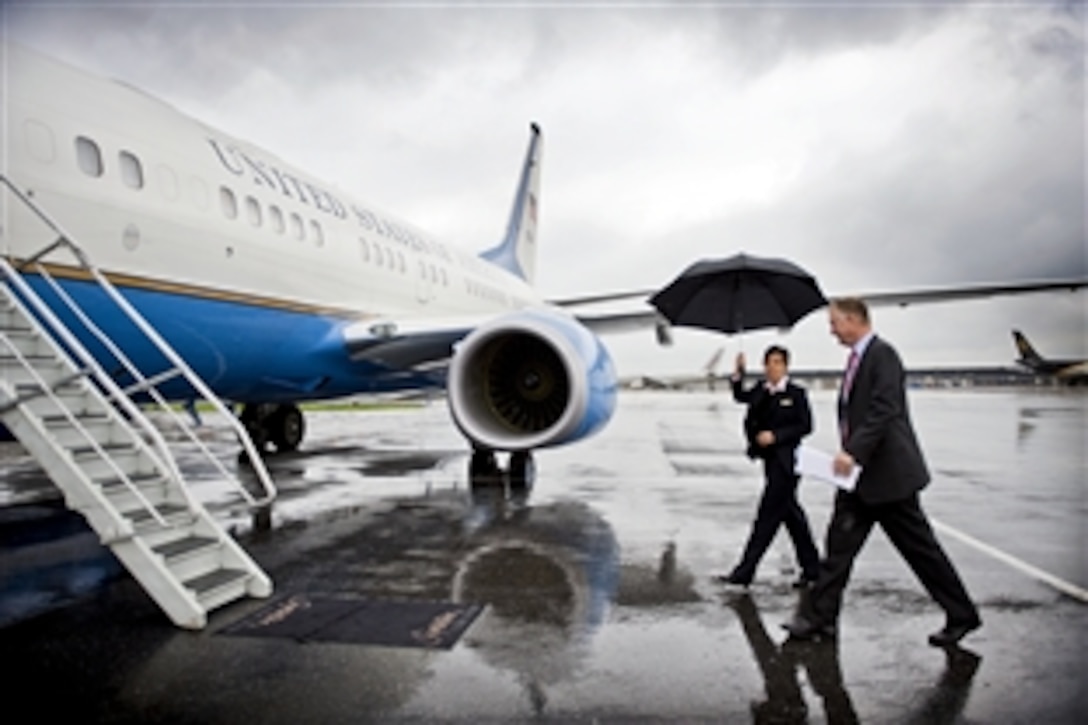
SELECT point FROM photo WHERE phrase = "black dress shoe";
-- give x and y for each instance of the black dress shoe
(731, 581)
(953, 633)
(802, 629)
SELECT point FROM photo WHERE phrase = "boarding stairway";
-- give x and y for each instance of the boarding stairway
(96, 441)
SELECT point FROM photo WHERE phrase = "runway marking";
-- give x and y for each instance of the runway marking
(1033, 571)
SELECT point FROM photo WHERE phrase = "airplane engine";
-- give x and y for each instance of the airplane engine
(530, 379)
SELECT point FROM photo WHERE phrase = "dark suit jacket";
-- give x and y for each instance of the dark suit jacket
(881, 436)
(786, 414)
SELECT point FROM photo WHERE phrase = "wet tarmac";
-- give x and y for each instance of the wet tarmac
(601, 605)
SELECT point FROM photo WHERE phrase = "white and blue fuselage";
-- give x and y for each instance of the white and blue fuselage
(276, 287)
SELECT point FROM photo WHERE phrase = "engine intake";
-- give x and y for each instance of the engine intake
(529, 380)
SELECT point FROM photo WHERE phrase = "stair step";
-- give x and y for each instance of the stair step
(125, 456)
(184, 547)
(52, 373)
(219, 587)
(86, 426)
(24, 339)
(192, 556)
(7, 358)
(107, 447)
(55, 420)
(73, 396)
(110, 484)
(172, 513)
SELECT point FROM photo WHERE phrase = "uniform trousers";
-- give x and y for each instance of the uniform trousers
(778, 506)
(910, 533)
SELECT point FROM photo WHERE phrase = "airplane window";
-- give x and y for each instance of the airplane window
(317, 234)
(296, 226)
(198, 190)
(88, 156)
(39, 139)
(276, 216)
(132, 173)
(228, 203)
(365, 249)
(168, 182)
(253, 211)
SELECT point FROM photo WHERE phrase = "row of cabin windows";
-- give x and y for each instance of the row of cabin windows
(385, 256)
(485, 291)
(291, 224)
(90, 161)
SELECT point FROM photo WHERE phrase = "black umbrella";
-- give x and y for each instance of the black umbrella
(739, 293)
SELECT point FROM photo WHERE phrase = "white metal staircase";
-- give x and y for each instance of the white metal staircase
(99, 447)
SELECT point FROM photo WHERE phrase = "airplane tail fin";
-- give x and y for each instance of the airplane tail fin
(1027, 352)
(516, 253)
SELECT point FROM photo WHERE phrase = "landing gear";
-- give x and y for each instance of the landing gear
(522, 471)
(286, 428)
(484, 471)
(282, 425)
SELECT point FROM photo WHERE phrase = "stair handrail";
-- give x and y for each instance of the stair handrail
(46, 389)
(64, 240)
(149, 385)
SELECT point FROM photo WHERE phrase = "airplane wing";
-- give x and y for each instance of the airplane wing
(902, 297)
(965, 292)
(611, 323)
(629, 321)
(419, 345)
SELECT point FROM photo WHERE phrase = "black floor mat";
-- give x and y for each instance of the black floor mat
(393, 623)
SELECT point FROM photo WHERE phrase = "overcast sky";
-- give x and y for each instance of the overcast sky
(881, 146)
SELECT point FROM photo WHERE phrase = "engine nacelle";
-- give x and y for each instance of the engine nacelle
(530, 379)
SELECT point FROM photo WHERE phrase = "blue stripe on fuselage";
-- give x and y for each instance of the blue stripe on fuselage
(244, 352)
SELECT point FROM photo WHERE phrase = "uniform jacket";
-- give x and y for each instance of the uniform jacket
(880, 435)
(786, 414)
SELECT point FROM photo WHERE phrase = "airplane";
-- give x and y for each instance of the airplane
(276, 287)
(1066, 370)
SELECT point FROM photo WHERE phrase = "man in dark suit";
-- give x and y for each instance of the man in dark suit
(877, 434)
(778, 417)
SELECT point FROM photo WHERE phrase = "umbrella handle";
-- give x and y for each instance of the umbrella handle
(739, 314)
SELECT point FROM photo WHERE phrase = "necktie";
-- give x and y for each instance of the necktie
(847, 383)
(848, 378)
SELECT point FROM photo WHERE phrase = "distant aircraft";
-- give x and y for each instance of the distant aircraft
(1067, 370)
(277, 288)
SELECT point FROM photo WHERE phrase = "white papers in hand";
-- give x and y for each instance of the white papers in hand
(814, 463)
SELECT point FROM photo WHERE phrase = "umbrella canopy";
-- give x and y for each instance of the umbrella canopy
(739, 293)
